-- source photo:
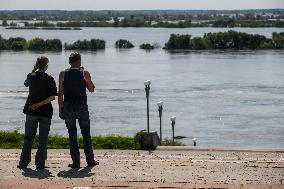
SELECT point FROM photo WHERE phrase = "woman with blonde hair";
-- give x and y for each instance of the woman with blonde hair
(38, 110)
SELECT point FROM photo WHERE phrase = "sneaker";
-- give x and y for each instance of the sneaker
(21, 167)
(74, 166)
(40, 168)
(94, 163)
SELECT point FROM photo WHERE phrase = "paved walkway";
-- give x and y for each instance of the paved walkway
(165, 168)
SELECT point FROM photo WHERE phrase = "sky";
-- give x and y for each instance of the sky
(138, 4)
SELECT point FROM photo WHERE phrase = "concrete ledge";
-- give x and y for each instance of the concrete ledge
(226, 149)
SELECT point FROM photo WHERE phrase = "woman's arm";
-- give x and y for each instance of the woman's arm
(46, 101)
(28, 80)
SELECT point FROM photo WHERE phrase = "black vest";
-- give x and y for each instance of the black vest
(74, 86)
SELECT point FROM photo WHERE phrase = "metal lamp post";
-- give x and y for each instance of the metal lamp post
(147, 89)
(160, 105)
(173, 119)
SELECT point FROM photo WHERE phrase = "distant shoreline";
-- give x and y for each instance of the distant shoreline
(42, 28)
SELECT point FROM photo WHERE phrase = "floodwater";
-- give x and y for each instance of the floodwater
(223, 98)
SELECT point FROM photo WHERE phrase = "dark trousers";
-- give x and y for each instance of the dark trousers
(31, 125)
(72, 112)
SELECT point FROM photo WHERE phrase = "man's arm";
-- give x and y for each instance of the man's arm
(46, 101)
(90, 85)
(60, 95)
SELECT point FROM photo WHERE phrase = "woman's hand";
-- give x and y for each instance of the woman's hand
(34, 69)
(46, 101)
(35, 106)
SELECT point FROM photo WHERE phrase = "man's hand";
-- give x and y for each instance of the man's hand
(61, 113)
(60, 95)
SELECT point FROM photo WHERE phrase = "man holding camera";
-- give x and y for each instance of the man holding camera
(72, 100)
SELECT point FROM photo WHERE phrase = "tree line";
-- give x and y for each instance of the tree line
(226, 40)
(104, 15)
(36, 44)
(148, 22)
(219, 40)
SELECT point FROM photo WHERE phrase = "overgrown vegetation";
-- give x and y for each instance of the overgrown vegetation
(123, 43)
(226, 40)
(93, 44)
(15, 140)
(36, 44)
(210, 41)
(169, 142)
(146, 46)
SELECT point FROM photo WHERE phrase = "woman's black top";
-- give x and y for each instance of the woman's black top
(41, 86)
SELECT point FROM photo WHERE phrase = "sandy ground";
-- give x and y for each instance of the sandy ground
(164, 168)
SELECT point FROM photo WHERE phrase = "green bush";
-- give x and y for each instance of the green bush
(198, 43)
(147, 46)
(3, 43)
(169, 142)
(17, 44)
(11, 139)
(224, 23)
(122, 43)
(38, 44)
(5, 23)
(53, 45)
(93, 44)
(177, 41)
(278, 40)
(224, 40)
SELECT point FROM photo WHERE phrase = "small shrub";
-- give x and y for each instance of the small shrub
(177, 41)
(122, 43)
(93, 44)
(147, 46)
(37, 44)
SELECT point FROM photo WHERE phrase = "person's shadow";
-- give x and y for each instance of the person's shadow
(40, 174)
(76, 173)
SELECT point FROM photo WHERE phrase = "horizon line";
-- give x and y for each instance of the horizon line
(140, 9)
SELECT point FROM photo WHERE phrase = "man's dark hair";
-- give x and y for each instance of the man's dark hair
(41, 62)
(74, 57)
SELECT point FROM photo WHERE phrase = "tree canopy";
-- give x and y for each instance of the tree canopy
(226, 40)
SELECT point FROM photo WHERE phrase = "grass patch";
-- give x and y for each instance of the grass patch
(169, 142)
(15, 140)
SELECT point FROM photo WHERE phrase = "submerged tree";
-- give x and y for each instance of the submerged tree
(123, 43)
(225, 40)
(53, 45)
(93, 44)
(147, 46)
(177, 41)
(5, 23)
(17, 44)
(278, 40)
(38, 44)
